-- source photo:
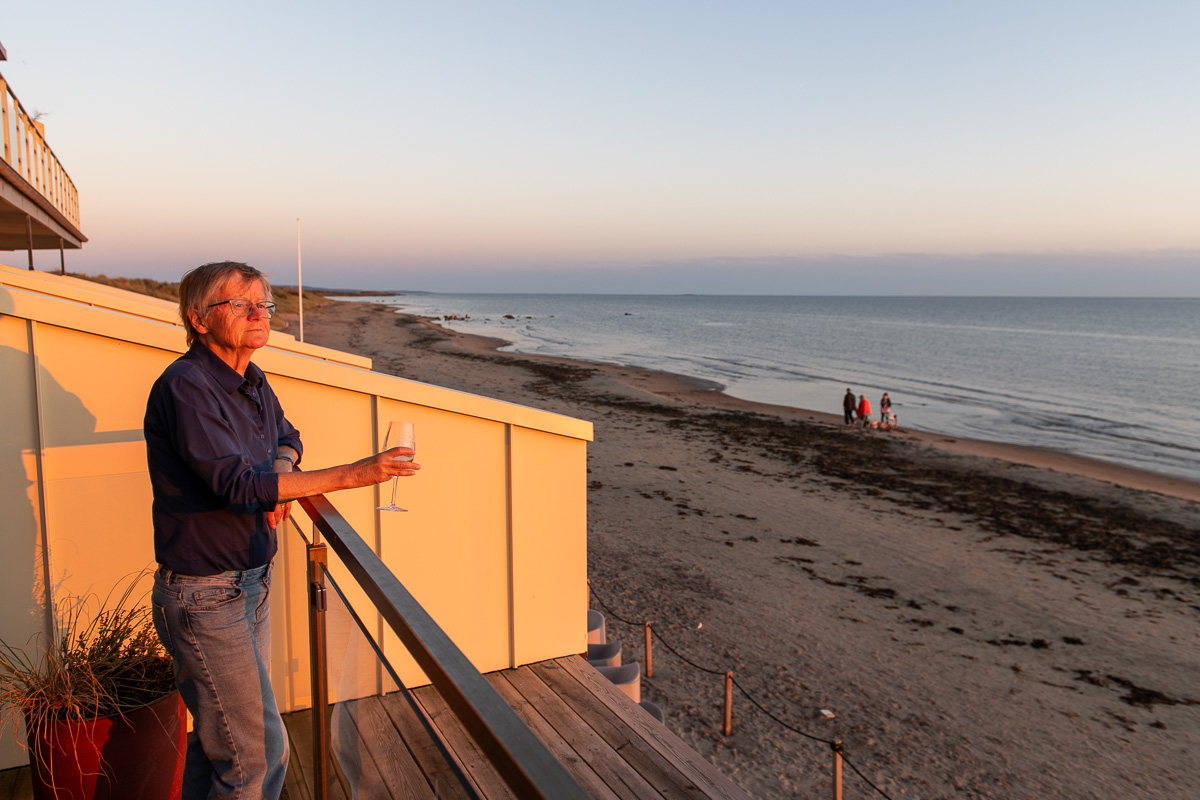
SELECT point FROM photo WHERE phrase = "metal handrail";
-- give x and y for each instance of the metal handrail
(520, 758)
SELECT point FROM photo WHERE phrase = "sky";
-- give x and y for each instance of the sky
(657, 146)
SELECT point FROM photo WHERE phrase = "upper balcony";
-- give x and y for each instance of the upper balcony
(39, 205)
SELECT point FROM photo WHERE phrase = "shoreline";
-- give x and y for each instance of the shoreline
(699, 392)
(964, 616)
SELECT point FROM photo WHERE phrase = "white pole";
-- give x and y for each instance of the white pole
(299, 279)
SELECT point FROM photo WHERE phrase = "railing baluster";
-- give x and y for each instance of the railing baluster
(318, 559)
(27, 153)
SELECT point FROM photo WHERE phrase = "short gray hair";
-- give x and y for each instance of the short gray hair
(199, 286)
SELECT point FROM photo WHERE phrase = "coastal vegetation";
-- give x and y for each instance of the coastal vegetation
(100, 661)
(287, 298)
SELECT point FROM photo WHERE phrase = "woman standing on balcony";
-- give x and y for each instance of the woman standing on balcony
(220, 453)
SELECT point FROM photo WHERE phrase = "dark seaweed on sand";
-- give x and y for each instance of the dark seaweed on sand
(908, 474)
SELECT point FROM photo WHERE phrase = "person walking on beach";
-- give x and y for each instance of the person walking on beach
(220, 453)
(864, 410)
(885, 409)
(848, 406)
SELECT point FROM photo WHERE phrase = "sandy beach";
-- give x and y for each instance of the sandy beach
(979, 620)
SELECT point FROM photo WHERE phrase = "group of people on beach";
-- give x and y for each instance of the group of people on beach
(860, 411)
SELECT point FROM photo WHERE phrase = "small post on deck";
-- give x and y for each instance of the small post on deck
(62, 258)
(29, 238)
(649, 658)
(318, 558)
(837, 769)
(728, 703)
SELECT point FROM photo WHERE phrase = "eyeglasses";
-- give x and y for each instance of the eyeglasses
(244, 308)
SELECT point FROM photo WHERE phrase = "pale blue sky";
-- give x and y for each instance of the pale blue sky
(684, 146)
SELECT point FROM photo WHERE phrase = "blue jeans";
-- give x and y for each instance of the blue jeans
(218, 630)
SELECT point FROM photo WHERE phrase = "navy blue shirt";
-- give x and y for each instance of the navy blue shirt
(211, 441)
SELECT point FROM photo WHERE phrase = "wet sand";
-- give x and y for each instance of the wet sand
(981, 620)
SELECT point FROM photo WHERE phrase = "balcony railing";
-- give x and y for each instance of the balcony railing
(27, 154)
(517, 754)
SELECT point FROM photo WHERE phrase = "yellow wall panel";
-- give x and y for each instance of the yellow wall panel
(549, 545)
(450, 548)
(99, 528)
(110, 378)
(21, 586)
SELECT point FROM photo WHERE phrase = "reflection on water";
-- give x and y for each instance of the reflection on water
(1113, 379)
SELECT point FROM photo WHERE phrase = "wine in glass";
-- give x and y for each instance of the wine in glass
(399, 434)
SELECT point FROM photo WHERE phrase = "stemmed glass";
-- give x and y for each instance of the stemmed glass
(399, 434)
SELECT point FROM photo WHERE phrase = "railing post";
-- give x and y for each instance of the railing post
(728, 703)
(837, 769)
(649, 659)
(318, 558)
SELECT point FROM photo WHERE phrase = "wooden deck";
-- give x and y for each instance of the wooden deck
(610, 745)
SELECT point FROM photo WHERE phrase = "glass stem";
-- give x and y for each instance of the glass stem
(395, 483)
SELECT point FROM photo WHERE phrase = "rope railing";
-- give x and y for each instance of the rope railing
(835, 745)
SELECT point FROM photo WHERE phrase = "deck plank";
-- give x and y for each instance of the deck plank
(299, 727)
(694, 767)
(610, 745)
(298, 781)
(657, 770)
(393, 765)
(423, 749)
(16, 784)
(621, 778)
(473, 761)
(576, 763)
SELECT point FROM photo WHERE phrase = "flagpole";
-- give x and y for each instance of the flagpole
(299, 279)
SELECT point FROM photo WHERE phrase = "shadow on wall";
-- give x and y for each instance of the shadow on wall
(23, 594)
(28, 393)
(67, 490)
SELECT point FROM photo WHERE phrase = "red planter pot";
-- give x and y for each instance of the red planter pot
(139, 757)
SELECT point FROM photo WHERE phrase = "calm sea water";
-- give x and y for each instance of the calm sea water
(1113, 379)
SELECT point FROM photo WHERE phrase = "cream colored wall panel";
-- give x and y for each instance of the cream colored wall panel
(549, 545)
(451, 548)
(280, 361)
(290, 674)
(21, 585)
(336, 428)
(100, 530)
(110, 379)
(93, 392)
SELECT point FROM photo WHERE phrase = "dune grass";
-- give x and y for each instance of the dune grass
(287, 298)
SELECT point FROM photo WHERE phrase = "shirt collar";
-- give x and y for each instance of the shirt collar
(225, 376)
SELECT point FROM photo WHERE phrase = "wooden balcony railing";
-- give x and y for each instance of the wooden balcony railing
(29, 157)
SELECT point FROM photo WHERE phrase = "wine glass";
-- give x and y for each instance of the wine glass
(399, 434)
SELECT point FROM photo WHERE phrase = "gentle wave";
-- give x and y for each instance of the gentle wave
(1113, 379)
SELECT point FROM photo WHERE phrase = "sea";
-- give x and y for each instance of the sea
(1109, 379)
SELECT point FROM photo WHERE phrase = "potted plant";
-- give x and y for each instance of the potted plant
(102, 716)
